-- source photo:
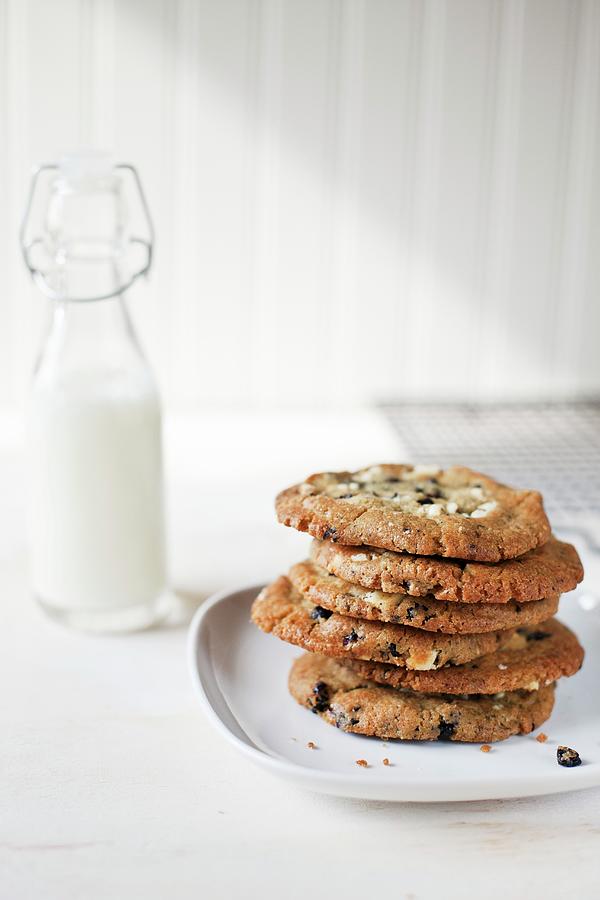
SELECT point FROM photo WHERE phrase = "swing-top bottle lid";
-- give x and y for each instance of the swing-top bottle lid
(86, 164)
(78, 239)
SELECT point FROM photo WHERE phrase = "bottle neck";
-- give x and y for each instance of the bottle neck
(92, 337)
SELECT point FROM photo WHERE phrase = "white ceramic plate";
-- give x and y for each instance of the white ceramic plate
(241, 679)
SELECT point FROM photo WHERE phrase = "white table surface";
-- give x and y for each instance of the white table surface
(115, 786)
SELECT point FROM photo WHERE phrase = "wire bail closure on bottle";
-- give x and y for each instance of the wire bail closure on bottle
(28, 244)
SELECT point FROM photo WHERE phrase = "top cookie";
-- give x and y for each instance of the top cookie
(418, 509)
(552, 569)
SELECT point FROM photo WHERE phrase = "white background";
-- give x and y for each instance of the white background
(353, 199)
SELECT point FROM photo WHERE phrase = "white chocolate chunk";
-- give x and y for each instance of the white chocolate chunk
(370, 474)
(422, 663)
(377, 598)
(424, 471)
(484, 509)
(517, 642)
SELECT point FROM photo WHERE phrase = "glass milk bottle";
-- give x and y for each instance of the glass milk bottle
(94, 419)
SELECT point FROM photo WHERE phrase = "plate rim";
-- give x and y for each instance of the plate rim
(340, 784)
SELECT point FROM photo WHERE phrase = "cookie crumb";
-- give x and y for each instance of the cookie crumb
(541, 738)
(567, 757)
(386, 761)
(485, 748)
(311, 745)
(363, 763)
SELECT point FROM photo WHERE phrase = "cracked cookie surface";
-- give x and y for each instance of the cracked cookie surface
(546, 571)
(281, 610)
(345, 699)
(534, 657)
(337, 595)
(453, 512)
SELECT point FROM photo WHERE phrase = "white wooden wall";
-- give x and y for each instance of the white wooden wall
(354, 199)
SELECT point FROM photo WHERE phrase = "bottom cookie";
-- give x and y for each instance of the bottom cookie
(345, 699)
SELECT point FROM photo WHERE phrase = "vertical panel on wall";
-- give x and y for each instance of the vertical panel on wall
(98, 89)
(492, 363)
(388, 192)
(479, 335)
(467, 68)
(218, 246)
(546, 90)
(176, 265)
(297, 316)
(344, 311)
(585, 363)
(144, 124)
(18, 306)
(7, 310)
(263, 198)
(576, 361)
(423, 225)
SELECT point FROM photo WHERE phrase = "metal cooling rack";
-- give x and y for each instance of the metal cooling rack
(552, 447)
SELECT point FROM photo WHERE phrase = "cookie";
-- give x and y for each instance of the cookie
(534, 657)
(423, 510)
(340, 596)
(280, 610)
(344, 699)
(546, 571)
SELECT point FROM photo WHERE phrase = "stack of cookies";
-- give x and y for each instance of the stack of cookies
(426, 605)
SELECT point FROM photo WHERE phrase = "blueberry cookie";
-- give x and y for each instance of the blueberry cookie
(546, 571)
(532, 658)
(345, 699)
(281, 610)
(326, 590)
(453, 512)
